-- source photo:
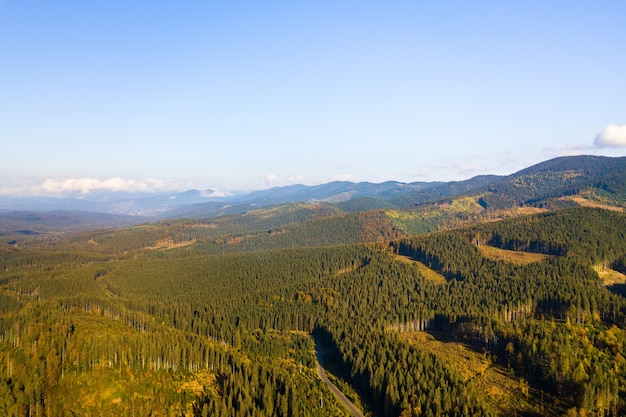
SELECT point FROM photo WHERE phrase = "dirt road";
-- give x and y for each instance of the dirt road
(338, 394)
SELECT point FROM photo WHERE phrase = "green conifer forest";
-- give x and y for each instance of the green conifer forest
(222, 318)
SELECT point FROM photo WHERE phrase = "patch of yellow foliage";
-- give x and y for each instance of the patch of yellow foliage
(198, 383)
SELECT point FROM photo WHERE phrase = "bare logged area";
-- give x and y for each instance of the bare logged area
(425, 271)
(516, 257)
(170, 244)
(609, 276)
(510, 395)
(585, 202)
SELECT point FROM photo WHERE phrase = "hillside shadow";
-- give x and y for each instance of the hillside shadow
(619, 289)
(330, 358)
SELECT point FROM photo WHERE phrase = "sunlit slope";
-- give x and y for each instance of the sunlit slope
(436, 216)
(296, 225)
(497, 384)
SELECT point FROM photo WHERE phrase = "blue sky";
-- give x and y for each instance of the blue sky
(148, 95)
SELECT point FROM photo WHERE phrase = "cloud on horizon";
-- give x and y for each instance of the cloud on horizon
(270, 179)
(65, 186)
(612, 136)
(273, 180)
(88, 185)
(453, 171)
(571, 149)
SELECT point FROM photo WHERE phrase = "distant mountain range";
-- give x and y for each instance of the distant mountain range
(542, 185)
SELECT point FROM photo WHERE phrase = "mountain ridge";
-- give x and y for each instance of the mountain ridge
(541, 185)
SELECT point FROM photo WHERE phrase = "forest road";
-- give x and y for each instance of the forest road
(338, 394)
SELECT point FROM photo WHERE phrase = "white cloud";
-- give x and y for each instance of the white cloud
(612, 136)
(470, 171)
(471, 167)
(570, 149)
(273, 180)
(88, 185)
(64, 186)
(459, 171)
(270, 179)
(214, 193)
(346, 177)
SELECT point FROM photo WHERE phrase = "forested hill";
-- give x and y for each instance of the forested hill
(599, 178)
(220, 317)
